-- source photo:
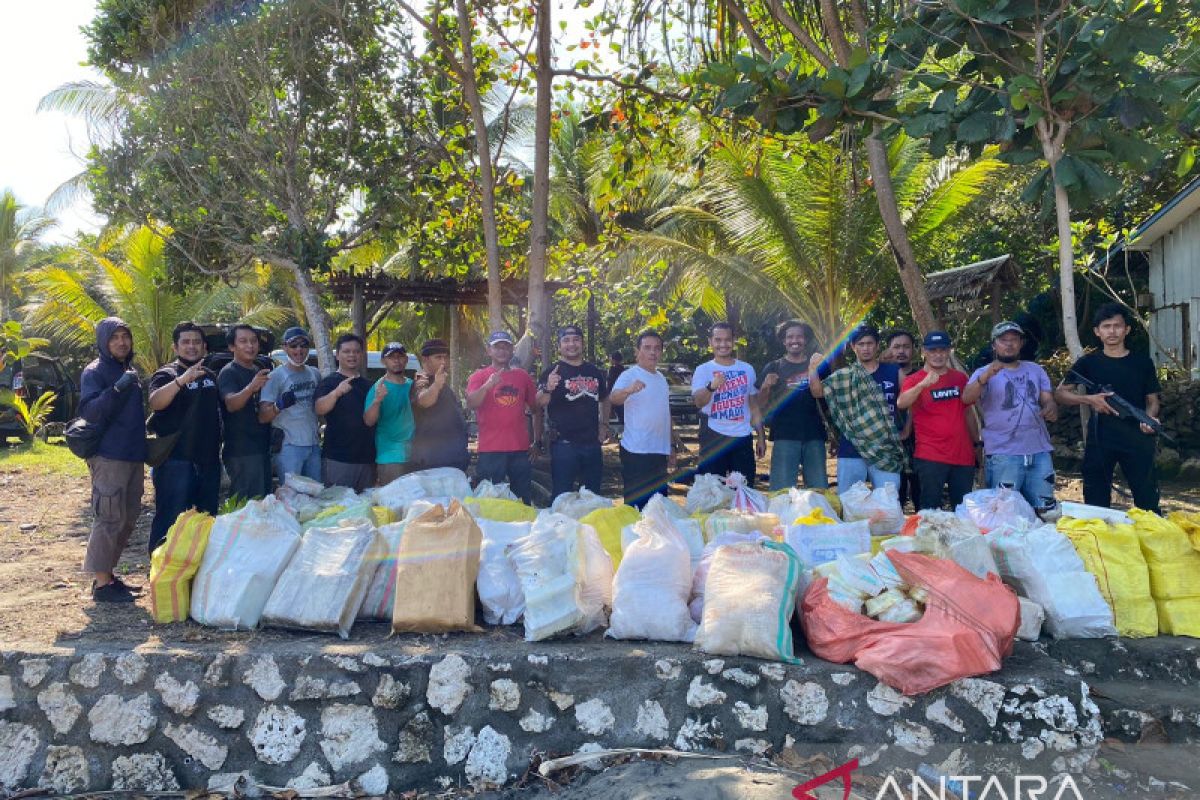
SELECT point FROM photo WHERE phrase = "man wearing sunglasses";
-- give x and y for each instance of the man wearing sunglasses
(287, 403)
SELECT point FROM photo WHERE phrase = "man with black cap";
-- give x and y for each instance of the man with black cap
(440, 435)
(187, 404)
(348, 452)
(389, 411)
(287, 403)
(574, 393)
(862, 403)
(500, 394)
(110, 397)
(945, 450)
(1016, 401)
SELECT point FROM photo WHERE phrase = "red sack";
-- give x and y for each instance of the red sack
(968, 627)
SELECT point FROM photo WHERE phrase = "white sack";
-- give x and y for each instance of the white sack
(498, 585)
(880, 507)
(550, 567)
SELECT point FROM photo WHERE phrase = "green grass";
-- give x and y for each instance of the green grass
(42, 459)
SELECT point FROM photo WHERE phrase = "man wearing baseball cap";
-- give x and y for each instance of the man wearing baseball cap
(389, 411)
(500, 394)
(574, 393)
(287, 401)
(440, 437)
(1016, 401)
(945, 449)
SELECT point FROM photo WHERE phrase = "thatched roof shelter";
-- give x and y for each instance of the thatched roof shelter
(974, 289)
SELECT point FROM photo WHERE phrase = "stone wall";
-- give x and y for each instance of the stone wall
(422, 712)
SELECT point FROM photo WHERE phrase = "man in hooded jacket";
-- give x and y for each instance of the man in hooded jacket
(110, 397)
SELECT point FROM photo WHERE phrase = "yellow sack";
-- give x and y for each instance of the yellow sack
(1190, 524)
(1174, 572)
(608, 523)
(1114, 556)
(814, 517)
(382, 515)
(502, 510)
(174, 563)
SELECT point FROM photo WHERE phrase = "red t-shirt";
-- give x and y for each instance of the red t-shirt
(501, 416)
(940, 420)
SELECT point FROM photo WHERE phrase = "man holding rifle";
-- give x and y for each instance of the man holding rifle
(1114, 438)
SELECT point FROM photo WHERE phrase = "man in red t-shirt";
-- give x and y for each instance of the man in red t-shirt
(945, 450)
(500, 394)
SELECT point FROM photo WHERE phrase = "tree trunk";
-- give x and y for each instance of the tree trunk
(539, 226)
(487, 176)
(1066, 266)
(906, 261)
(318, 318)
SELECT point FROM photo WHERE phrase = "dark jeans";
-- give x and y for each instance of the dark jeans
(934, 476)
(569, 460)
(249, 476)
(512, 468)
(1137, 465)
(178, 486)
(643, 475)
(721, 455)
(910, 486)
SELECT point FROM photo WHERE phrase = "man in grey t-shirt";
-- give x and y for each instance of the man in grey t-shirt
(287, 403)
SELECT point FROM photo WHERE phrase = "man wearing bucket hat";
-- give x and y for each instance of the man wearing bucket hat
(389, 411)
(1016, 401)
(945, 450)
(574, 393)
(500, 394)
(440, 436)
(286, 402)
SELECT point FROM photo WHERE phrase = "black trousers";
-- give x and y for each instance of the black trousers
(1137, 466)
(721, 455)
(643, 475)
(934, 476)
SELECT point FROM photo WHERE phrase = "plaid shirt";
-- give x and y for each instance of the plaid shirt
(862, 415)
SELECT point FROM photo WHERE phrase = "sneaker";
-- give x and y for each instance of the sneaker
(115, 592)
(136, 591)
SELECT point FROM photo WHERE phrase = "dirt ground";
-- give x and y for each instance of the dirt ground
(44, 599)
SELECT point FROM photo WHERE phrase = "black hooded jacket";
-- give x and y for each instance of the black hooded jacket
(121, 412)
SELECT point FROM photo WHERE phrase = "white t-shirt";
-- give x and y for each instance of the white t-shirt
(647, 413)
(728, 411)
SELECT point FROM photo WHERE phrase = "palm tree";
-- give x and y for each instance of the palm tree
(103, 108)
(126, 275)
(796, 230)
(20, 229)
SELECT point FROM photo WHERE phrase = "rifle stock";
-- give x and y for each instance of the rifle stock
(1123, 407)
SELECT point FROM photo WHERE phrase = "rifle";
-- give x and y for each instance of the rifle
(1123, 407)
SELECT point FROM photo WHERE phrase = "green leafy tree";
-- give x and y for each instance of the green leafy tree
(20, 230)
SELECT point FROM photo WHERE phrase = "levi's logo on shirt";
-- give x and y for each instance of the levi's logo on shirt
(946, 393)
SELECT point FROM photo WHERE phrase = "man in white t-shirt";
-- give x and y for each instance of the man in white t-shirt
(724, 390)
(647, 457)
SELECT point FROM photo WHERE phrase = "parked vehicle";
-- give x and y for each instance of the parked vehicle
(218, 348)
(679, 384)
(29, 379)
(375, 367)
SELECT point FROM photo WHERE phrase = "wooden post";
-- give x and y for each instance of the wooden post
(995, 302)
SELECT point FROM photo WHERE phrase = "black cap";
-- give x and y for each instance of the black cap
(295, 332)
(434, 347)
(393, 347)
(569, 330)
(935, 340)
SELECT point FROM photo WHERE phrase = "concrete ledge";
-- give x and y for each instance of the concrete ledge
(429, 712)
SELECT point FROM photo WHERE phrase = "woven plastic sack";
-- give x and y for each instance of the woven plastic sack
(1174, 572)
(498, 585)
(967, 629)
(247, 552)
(436, 569)
(1042, 565)
(700, 573)
(708, 493)
(500, 509)
(325, 582)
(399, 495)
(957, 538)
(301, 506)
(381, 590)
(733, 521)
(991, 508)
(498, 491)
(750, 596)
(440, 482)
(880, 507)
(652, 585)
(795, 503)
(174, 563)
(337, 516)
(596, 586)
(578, 505)
(1190, 523)
(298, 483)
(608, 523)
(549, 564)
(1113, 555)
(745, 499)
(662, 511)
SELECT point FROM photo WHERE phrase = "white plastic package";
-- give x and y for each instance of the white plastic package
(1112, 516)
(595, 591)
(549, 565)
(1032, 617)
(246, 553)
(991, 508)
(499, 491)
(498, 585)
(326, 580)
(729, 520)
(745, 498)
(298, 483)
(652, 584)
(751, 596)
(662, 510)
(798, 503)
(880, 507)
(708, 493)
(577, 505)
(818, 544)
(955, 537)
(381, 591)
